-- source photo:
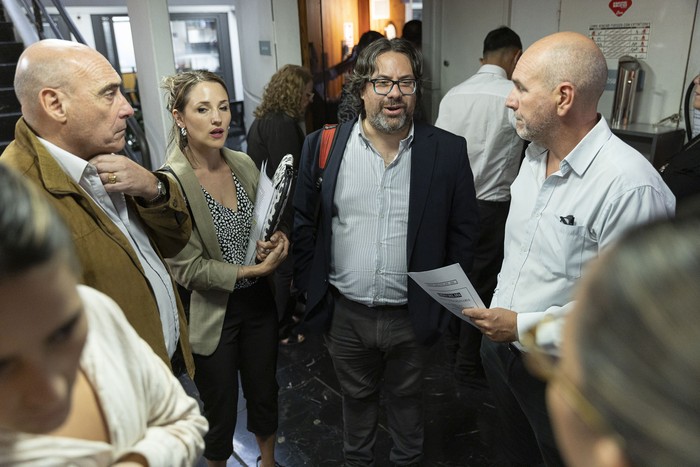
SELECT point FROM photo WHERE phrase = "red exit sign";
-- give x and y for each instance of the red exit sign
(619, 7)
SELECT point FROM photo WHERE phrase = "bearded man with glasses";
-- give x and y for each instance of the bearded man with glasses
(395, 196)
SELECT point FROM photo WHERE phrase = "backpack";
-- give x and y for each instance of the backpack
(327, 142)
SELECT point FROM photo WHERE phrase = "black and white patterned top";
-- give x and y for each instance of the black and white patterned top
(233, 228)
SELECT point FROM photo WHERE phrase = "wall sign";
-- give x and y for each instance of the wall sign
(616, 40)
(619, 7)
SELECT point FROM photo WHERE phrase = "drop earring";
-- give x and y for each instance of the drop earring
(183, 131)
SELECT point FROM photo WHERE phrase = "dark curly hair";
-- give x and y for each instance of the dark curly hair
(367, 64)
(284, 92)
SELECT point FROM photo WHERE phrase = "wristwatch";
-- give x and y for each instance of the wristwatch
(162, 192)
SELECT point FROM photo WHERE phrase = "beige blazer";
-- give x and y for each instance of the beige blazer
(200, 266)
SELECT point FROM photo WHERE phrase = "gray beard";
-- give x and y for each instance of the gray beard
(387, 125)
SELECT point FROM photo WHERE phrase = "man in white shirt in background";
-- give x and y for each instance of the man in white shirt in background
(578, 190)
(476, 109)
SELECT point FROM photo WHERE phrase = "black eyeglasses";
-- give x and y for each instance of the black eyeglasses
(383, 86)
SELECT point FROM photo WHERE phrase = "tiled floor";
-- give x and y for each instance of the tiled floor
(458, 428)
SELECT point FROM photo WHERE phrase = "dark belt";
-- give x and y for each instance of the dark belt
(491, 204)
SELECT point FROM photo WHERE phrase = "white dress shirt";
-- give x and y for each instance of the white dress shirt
(558, 224)
(370, 223)
(114, 205)
(476, 109)
(146, 411)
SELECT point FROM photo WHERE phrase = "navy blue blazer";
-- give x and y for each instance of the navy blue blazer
(442, 220)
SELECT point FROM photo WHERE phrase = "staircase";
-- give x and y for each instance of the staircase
(10, 50)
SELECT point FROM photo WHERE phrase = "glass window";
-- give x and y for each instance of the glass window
(196, 44)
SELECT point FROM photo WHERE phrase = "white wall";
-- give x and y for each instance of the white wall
(454, 32)
(458, 30)
(276, 21)
(668, 50)
(460, 26)
(534, 19)
(462, 43)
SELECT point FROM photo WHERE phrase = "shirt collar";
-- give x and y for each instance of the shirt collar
(406, 142)
(73, 165)
(581, 157)
(494, 70)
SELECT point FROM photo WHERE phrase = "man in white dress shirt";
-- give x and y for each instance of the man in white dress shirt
(579, 188)
(476, 109)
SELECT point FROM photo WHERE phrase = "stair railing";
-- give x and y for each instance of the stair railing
(23, 24)
(28, 20)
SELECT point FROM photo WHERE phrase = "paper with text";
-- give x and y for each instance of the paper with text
(450, 287)
(263, 198)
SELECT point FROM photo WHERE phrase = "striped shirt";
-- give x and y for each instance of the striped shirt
(370, 223)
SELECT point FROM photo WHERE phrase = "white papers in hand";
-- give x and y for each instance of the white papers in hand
(450, 287)
(270, 200)
(263, 198)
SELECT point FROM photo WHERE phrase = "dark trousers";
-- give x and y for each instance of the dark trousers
(248, 345)
(520, 403)
(368, 346)
(286, 298)
(177, 363)
(462, 340)
(282, 279)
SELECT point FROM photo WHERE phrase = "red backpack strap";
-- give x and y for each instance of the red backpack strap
(327, 137)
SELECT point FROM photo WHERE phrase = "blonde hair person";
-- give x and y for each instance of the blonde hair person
(79, 387)
(233, 327)
(276, 132)
(625, 391)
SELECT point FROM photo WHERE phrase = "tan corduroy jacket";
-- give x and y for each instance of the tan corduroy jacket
(108, 261)
(200, 266)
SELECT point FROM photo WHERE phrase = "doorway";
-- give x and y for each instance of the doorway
(200, 41)
(332, 28)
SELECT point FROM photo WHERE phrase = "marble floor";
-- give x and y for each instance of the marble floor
(459, 421)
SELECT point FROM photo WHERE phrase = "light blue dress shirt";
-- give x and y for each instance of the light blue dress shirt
(556, 225)
(370, 223)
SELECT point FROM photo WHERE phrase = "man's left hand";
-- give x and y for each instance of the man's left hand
(498, 324)
(119, 174)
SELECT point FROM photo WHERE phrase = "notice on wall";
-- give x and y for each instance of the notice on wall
(616, 40)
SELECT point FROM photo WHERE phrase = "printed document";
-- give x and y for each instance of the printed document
(263, 198)
(450, 286)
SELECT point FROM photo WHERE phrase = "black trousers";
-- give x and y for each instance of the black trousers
(520, 403)
(248, 346)
(371, 349)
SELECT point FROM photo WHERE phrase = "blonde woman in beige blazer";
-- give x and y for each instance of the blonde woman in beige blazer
(232, 315)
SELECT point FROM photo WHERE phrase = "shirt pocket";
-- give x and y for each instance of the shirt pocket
(562, 248)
